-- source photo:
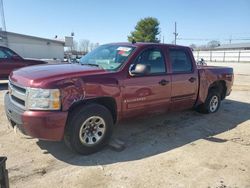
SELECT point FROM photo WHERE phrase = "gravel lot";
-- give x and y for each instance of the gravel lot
(185, 149)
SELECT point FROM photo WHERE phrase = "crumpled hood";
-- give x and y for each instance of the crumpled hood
(34, 75)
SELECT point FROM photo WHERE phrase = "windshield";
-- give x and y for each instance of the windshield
(109, 57)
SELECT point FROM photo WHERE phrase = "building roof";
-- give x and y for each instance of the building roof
(34, 37)
(234, 46)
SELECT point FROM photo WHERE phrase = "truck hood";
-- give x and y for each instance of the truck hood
(36, 75)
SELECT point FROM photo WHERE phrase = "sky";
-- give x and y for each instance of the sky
(105, 21)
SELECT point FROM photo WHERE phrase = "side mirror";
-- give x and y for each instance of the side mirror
(139, 69)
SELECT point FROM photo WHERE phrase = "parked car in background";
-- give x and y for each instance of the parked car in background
(10, 60)
(80, 103)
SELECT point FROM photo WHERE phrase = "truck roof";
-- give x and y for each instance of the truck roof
(139, 44)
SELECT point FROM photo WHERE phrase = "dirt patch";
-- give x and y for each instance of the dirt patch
(184, 149)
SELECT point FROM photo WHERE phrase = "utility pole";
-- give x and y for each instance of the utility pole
(163, 39)
(175, 32)
(3, 33)
(2, 15)
(230, 39)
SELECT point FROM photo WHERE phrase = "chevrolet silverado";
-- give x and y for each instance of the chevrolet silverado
(81, 103)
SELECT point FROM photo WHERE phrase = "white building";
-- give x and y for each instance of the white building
(33, 47)
(239, 52)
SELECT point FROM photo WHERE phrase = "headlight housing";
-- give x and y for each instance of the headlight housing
(43, 99)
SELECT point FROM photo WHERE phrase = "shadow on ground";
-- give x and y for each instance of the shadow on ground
(151, 136)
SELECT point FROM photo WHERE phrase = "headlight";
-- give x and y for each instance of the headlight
(43, 99)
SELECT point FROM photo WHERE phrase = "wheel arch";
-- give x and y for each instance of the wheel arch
(108, 102)
(220, 86)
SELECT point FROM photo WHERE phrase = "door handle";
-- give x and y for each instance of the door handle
(192, 79)
(163, 82)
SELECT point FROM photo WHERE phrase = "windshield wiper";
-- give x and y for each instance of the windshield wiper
(91, 64)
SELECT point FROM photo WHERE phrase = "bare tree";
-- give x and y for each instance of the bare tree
(75, 46)
(84, 45)
(91, 46)
(96, 45)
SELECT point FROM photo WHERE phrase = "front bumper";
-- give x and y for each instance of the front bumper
(45, 125)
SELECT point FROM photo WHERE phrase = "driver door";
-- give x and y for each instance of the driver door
(148, 94)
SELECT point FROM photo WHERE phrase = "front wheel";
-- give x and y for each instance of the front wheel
(89, 129)
(212, 103)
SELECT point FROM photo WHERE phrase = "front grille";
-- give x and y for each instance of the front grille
(20, 89)
(17, 94)
(20, 101)
(12, 111)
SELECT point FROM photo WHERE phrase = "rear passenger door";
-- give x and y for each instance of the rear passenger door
(184, 78)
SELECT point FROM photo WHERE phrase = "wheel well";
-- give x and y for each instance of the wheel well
(108, 102)
(219, 86)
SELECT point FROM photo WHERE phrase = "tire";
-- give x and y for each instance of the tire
(89, 129)
(212, 103)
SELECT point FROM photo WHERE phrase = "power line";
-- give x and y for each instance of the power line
(240, 39)
(209, 39)
(195, 39)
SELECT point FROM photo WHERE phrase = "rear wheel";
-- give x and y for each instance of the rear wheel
(89, 129)
(212, 103)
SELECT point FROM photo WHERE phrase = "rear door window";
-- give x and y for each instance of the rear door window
(180, 61)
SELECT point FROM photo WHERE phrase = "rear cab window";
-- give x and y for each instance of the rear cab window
(180, 61)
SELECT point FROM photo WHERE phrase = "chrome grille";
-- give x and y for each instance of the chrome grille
(17, 94)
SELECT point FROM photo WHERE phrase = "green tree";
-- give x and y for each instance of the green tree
(146, 30)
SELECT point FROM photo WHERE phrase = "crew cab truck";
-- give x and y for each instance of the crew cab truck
(81, 103)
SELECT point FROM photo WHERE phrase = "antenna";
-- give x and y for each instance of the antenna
(2, 15)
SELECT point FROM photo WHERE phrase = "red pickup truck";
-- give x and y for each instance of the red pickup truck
(80, 103)
(9, 60)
